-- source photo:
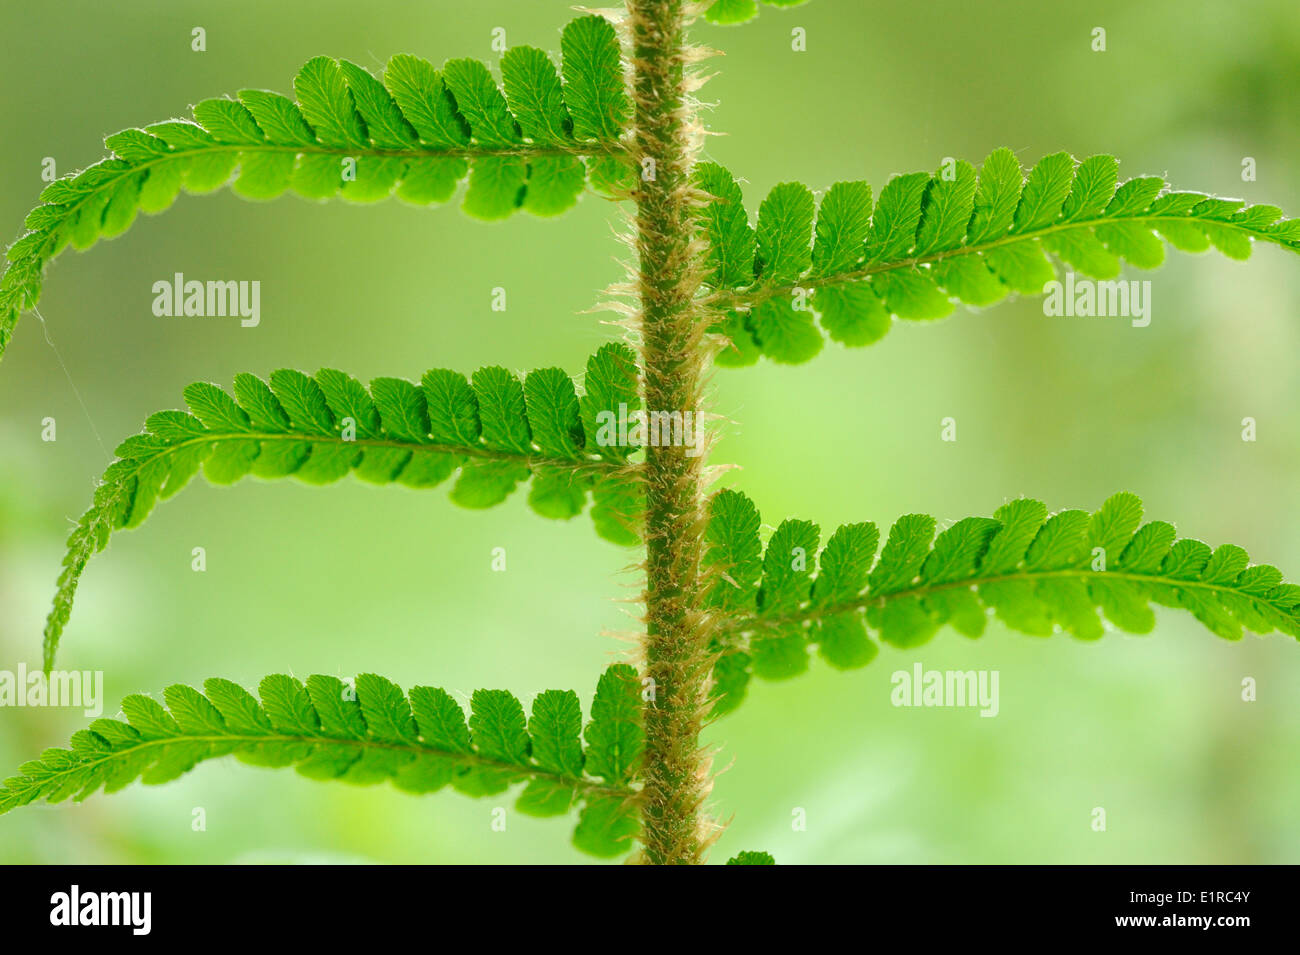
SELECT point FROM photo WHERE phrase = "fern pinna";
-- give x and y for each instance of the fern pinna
(715, 282)
(369, 731)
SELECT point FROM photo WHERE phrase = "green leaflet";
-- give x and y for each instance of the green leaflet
(363, 731)
(722, 216)
(726, 12)
(615, 737)
(785, 226)
(1038, 574)
(556, 728)
(593, 79)
(417, 135)
(734, 557)
(492, 434)
(751, 857)
(787, 581)
(933, 241)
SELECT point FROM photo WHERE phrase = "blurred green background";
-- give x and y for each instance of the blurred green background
(355, 578)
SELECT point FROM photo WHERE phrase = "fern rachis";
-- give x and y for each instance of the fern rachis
(714, 282)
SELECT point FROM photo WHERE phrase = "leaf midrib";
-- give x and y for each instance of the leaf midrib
(867, 601)
(522, 151)
(531, 461)
(473, 759)
(754, 295)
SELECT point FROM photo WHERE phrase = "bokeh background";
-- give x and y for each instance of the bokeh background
(355, 578)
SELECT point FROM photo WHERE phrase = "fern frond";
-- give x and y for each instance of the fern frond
(417, 135)
(726, 12)
(366, 731)
(495, 431)
(934, 241)
(1037, 574)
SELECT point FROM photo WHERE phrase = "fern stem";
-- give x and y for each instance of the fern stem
(676, 642)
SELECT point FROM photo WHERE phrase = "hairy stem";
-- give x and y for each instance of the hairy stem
(676, 642)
